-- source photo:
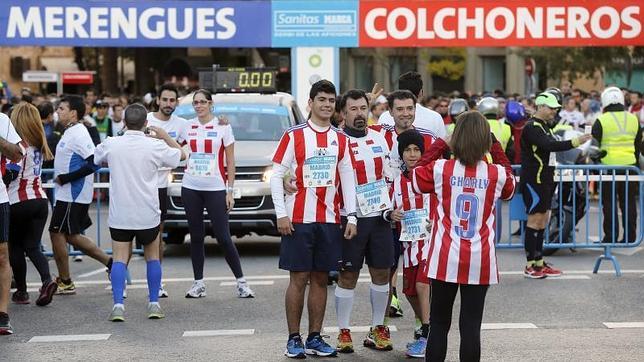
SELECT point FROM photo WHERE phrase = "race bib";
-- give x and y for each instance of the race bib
(552, 161)
(319, 171)
(201, 164)
(373, 197)
(414, 225)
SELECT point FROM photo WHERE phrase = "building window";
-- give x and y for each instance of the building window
(399, 65)
(363, 72)
(493, 73)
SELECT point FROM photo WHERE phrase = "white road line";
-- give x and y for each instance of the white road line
(495, 326)
(615, 325)
(568, 277)
(259, 282)
(219, 332)
(360, 329)
(364, 280)
(129, 287)
(70, 338)
(97, 271)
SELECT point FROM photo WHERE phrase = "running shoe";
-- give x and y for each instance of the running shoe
(47, 292)
(118, 314)
(78, 258)
(198, 290)
(533, 272)
(295, 348)
(394, 308)
(20, 297)
(244, 291)
(124, 293)
(5, 325)
(379, 339)
(155, 311)
(549, 271)
(65, 289)
(417, 348)
(317, 346)
(345, 344)
(162, 292)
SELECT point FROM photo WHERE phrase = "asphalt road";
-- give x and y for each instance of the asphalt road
(564, 319)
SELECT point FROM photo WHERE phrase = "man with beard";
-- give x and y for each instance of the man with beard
(165, 119)
(369, 152)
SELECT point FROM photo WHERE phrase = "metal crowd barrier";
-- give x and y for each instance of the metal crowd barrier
(583, 234)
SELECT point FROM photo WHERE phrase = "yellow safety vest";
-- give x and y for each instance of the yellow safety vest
(501, 131)
(450, 128)
(561, 126)
(619, 130)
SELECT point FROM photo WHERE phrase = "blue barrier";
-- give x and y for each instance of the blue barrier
(566, 218)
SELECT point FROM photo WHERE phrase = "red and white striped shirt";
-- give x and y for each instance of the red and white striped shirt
(462, 248)
(27, 185)
(391, 137)
(312, 204)
(404, 197)
(369, 155)
(206, 168)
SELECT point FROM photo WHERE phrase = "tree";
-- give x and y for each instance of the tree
(574, 62)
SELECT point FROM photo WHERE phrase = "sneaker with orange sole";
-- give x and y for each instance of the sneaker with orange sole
(379, 339)
(345, 343)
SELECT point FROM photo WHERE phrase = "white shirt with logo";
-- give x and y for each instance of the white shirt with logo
(134, 161)
(173, 127)
(73, 148)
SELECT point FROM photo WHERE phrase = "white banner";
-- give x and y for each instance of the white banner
(310, 65)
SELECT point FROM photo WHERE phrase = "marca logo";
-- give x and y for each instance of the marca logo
(500, 23)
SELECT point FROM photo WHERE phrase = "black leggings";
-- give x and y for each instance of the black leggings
(440, 319)
(215, 203)
(28, 219)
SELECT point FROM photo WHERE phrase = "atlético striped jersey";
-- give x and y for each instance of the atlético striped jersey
(315, 159)
(391, 136)
(462, 248)
(27, 185)
(207, 143)
(404, 197)
(369, 156)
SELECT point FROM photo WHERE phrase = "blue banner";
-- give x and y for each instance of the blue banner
(136, 23)
(315, 23)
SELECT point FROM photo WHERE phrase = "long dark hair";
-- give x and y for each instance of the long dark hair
(471, 139)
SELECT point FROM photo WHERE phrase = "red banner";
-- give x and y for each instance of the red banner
(500, 23)
(78, 78)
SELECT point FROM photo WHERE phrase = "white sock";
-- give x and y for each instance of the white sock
(119, 305)
(153, 303)
(241, 280)
(343, 305)
(379, 295)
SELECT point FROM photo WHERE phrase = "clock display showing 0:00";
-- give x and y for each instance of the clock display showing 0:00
(255, 79)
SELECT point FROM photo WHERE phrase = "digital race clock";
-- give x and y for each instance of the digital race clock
(243, 80)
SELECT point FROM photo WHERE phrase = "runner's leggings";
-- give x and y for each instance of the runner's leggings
(27, 220)
(440, 319)
(215, 203)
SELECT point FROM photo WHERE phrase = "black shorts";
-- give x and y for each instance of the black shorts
(312, 247)
(4, 222)
(143, 237)
(537, 197)
(70, 218)
(163, 202)
(398, 248)
(374, 243)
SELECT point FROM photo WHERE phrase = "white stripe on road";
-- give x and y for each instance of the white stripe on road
(132, 286)
(259, 282)
(219, 332)
(355, 329)
(615, 325)
(70, 338)
(495, 326)
(569, 277)
(97, 271)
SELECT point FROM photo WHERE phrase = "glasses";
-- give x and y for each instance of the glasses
(202, 102)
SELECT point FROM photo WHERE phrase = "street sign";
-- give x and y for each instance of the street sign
(78, 78)
(44, 77)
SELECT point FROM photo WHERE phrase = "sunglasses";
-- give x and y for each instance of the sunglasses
(202, 102)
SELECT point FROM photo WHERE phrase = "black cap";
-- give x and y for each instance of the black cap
(410, 137)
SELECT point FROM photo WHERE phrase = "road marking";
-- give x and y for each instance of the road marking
(628, 251)
(495, 326)
(615, 325)
(219, 332)
(355, 329)
(70, 338)
(567, 277)
(259, 282)
(132, 286)
(97, 271)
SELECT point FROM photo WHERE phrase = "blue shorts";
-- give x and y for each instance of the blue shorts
(312, 247)
(373, 243)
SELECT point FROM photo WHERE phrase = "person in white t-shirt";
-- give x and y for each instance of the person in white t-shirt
(117, 119)
(172, 124)
(73, 178)
(570, 115)
(9, 150)
(208, 183)
(425, 118)
(134, 161)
